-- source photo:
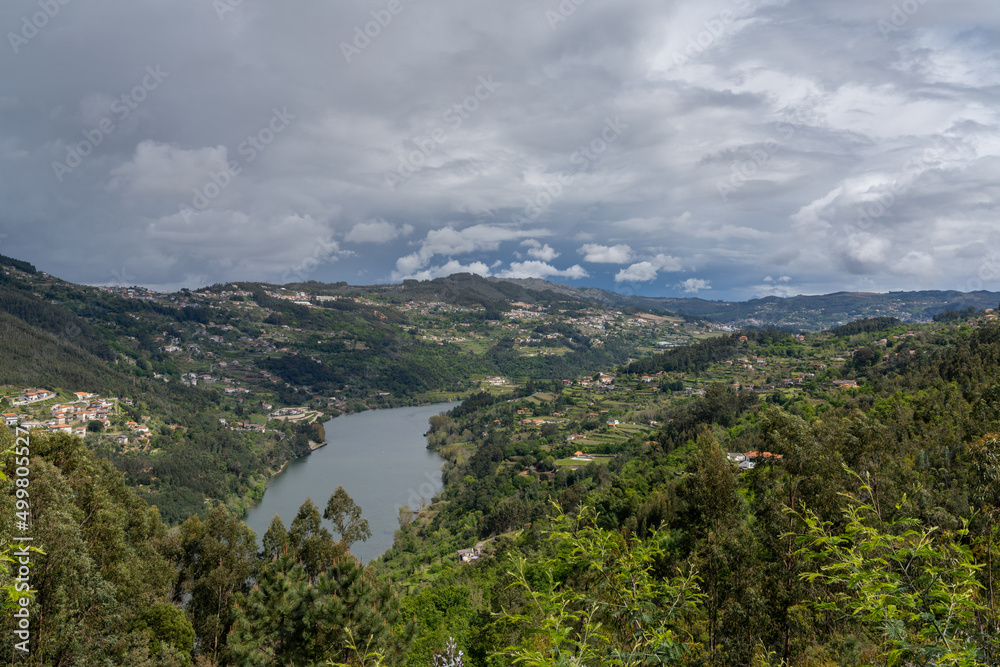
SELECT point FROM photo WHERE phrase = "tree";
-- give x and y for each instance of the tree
(347, 520)
(310, 542)
(290, 619)
(217, 558)
(620, 610)
(168, 625)
(275, 541)
(915, 587)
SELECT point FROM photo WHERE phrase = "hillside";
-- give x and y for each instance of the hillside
(205, 394)
(763, 498)
(803, 313)
(250, 370)
(709, 499)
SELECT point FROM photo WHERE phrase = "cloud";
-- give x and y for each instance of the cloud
(602, 254)
(297, 246)
(694, 285)
(649, 269)
(776, 287)
(164, 169)
(543, 252)
(448, 268)
(449, 241)
(377, 231)
(840, 165)
(537, 269)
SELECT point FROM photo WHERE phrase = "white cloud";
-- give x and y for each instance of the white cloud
(447, 269)
(916, 263)
(449, 241)
(537, 269)
(546, 253)
(639, 272)
(602, 254)
(377, 231)
(694, 285)
(649, 269)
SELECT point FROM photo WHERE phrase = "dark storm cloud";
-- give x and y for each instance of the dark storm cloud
(734, 148)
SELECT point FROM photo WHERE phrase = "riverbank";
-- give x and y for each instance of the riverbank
(379, 457)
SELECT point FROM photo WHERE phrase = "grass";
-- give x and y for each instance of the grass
(601, 461)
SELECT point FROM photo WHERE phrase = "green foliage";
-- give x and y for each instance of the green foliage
(216, 559)
(168, 625)
(912, 586)
(101, 559)
(27, 267)
(346, 517)
(291, 618)
(614, 608)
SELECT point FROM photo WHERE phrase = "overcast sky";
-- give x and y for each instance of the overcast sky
(719, 148)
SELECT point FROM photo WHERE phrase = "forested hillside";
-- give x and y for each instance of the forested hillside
(871, 538)
(755, 498)
(208, 393)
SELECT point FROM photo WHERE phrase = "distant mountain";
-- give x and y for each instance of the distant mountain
(809, 313)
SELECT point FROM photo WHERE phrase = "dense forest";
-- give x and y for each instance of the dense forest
(872, 541)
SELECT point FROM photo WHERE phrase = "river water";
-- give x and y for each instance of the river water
(380, 457)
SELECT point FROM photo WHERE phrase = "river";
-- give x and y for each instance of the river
(380, 457)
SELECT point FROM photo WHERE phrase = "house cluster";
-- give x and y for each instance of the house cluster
(600, 380)
(65, 417)
(135, 293)
(538, 421)
(246, 426)
(192, 379)
(33, 395)
(496, 381)
(140, 430)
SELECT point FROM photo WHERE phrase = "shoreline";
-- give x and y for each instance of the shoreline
(313, 446)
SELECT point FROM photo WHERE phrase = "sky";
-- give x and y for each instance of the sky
(725, 149)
